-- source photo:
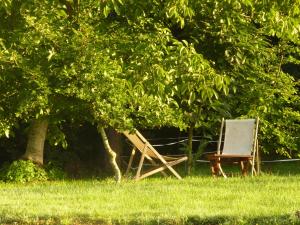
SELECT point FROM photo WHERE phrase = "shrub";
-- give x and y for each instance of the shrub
(24, 171)
(3, 170)
(54, 171)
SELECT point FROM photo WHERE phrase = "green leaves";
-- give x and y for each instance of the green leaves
(195, 83)
(6, 132)
(151, 63)
(178, 11)
(106, 10)
(24, 171)
(6, 5)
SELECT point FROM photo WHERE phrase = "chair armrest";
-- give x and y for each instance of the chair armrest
(215, 156)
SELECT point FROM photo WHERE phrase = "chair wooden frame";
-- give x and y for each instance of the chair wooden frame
(159, 162)
(245, 160)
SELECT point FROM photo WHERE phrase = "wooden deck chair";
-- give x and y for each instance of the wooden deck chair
(240, 144)
(159, 162)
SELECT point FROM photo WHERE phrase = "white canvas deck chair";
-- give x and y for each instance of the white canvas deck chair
(240, 144)
(158, 162)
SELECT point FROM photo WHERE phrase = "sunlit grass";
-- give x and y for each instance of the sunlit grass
(272, 199)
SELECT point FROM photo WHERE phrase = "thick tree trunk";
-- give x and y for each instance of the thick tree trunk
(112, 155)
(190, 149)
(36, 140)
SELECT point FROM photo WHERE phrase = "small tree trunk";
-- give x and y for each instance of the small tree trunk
(112, 155)
(190, 149)
(116, 143)
(36, 140)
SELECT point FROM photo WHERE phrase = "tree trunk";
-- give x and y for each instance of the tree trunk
(116, 143)
(190, 149)
(36, 140)
(112, 155)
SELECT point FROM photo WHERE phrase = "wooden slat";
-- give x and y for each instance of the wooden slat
(139, 143)
(150, 152)
(141, 163)
(254, 146)
(173, 163)
(130, 161)
(229, 156)
(220, 137)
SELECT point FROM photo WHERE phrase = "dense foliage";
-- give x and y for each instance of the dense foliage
(154, 63)
(65, 65)
(251, 42)
(23, 171)
(26, 171)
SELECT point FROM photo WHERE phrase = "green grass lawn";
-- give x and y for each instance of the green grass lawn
(272, 198)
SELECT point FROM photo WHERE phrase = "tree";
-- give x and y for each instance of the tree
(248, 41)
(196, 88)
(251, 41)
(126, 64)
(188, 79)
(59, 61)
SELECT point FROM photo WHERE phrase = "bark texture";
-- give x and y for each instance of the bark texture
(116, 143)
(190, 149)
(112, 155)
(36, 140)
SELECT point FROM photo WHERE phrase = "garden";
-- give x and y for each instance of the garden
(83, 82)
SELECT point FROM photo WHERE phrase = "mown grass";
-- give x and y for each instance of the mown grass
(267, 199)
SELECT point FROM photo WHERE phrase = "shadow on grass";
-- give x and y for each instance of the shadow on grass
(282, 168)
(202, 169)
(287, 168)
(190, 220)
(274, 220)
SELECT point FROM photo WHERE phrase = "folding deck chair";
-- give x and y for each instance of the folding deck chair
(158, 161)
(240, 144)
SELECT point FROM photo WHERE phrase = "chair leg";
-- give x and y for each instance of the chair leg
(155, 164)
(221, 171)
(216, 169)
(138, 173)
(253, 170)
(130, 161)
(161, 168)
(173, 171)
(245, 167)
(168, 166)
(242, 166)
(257, 169)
